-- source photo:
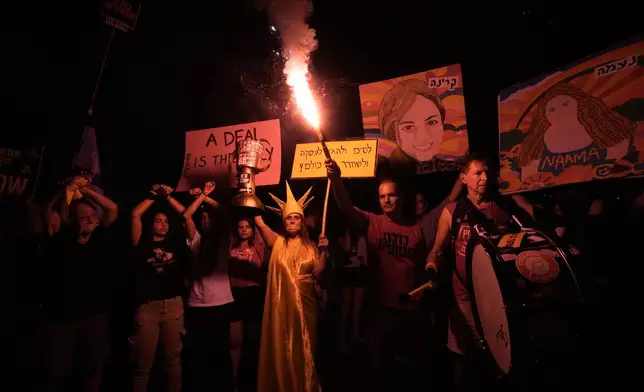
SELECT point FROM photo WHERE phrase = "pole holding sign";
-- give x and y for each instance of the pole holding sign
(356, 158)
(326, 206)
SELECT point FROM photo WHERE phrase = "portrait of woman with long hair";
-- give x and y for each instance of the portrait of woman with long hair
(569, 120)
(412, 115)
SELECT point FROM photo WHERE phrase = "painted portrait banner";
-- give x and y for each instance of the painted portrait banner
(418, 118)
(210, 154)
(581, 123)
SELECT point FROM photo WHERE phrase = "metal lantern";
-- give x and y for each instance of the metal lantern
(249, 163)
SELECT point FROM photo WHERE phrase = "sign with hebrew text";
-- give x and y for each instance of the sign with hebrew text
(356, 159)
(581, 123)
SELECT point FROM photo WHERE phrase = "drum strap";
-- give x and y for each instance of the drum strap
(464, 212)
(460, 279)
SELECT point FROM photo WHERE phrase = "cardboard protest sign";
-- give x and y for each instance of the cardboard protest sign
(580, 123)
(121, 14)
(209, 153)
(356, 158)
(418, 118)
(19, 171)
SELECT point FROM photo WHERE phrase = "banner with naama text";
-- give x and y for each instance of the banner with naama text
(581, 123)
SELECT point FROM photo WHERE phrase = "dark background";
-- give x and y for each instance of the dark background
(203, 63)
(197, 64)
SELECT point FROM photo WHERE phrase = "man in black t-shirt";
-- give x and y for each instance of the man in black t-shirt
(78, 286)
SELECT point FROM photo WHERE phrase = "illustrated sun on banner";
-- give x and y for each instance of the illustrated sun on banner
(580, 123)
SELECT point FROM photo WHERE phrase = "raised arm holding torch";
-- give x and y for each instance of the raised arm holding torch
(325, 149)
(297, 79)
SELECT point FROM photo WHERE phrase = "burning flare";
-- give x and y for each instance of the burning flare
(297, 78)
(288, 17)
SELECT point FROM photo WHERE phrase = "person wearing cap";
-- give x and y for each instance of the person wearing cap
(289, 327)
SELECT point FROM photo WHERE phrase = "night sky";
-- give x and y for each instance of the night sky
(205, 63)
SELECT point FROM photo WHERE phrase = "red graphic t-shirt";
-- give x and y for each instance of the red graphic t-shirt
(398, 250)
(245, 263)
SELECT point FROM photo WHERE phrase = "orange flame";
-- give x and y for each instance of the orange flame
(297, 78)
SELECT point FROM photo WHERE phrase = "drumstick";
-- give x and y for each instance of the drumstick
(431, 275)
(418, 290)
(427, 286)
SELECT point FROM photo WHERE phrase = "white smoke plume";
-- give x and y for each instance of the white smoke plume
(298, 39)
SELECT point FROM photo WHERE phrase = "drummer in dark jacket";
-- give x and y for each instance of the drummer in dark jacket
(457, 219)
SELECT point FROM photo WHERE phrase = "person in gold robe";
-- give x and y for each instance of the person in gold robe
(289, 326)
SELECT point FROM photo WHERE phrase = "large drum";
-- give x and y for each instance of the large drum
(525, 299)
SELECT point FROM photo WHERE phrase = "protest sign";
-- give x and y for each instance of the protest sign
(580, 123)
(19, 171)
(121, 14)
(209, 154)
(418, 118)
(356, 158)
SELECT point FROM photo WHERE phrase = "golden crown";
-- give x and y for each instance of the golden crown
(291, 205)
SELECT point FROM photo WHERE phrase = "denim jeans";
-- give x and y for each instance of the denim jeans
(158, 321)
